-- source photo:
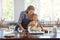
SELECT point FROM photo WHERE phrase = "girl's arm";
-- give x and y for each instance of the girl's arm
(31, 24)
(40, 25)
(43, 29)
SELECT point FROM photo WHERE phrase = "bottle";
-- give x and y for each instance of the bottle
(54, 29)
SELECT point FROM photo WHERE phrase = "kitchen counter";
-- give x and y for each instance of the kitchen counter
(21, 36)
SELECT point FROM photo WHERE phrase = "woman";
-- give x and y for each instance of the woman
(25, 18)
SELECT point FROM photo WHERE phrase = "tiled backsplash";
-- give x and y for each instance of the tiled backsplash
(45, 24)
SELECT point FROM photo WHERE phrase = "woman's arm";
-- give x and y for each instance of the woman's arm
(20, 26)
(20, 19)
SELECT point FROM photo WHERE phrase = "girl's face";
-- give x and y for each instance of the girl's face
(35, 18)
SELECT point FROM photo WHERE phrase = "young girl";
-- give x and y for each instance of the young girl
(35, 25)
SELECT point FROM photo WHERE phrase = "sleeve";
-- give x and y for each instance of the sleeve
(21, 17)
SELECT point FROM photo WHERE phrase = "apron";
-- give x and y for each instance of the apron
(24, 23)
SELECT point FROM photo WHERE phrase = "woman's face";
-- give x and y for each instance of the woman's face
(35, 18)
(30, 12)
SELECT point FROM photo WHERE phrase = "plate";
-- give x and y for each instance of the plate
(36, 33)
(9, 35)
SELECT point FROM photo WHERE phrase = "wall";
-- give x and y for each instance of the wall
(18, 7)
(0, 9)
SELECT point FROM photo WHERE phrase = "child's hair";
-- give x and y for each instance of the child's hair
(34, 15)
(32, 19)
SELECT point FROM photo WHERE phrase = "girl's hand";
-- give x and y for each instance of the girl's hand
(46, 31)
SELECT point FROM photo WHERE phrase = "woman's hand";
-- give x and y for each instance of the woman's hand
(24, 31)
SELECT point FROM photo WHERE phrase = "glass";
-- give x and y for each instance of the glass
(0, 33)
(12, 27)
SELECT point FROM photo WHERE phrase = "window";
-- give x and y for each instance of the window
(7, 11)
(47, 10)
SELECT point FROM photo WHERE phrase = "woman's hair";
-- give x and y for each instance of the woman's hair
(30, 8)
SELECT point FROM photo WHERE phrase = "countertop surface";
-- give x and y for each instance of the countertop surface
(17, 35)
